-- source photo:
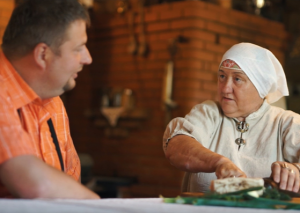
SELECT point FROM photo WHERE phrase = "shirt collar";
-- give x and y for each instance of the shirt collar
(18, 90)
(257, 114)
(260, 111)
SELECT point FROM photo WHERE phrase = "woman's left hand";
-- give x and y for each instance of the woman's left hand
(286, 175)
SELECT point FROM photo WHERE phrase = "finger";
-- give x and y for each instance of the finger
(296, 183)
(242, 174)
(236, 174)
(276, 169)
(228, 173)
(220, 174)
(224, 172)
(284, 173)
(291, 179)
(227, 170)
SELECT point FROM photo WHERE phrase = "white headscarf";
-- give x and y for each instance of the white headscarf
(262, 68)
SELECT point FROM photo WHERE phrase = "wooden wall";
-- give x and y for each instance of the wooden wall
(6, 8)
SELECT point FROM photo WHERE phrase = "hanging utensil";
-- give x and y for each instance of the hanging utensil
(168, 76)
(143, 47)
(168, 103)
(132, 45)
(168, 86)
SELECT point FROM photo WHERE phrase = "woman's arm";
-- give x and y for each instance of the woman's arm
(187, 154)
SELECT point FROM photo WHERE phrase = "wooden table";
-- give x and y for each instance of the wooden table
(117, 205)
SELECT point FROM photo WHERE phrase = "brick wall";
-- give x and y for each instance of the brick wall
(210, 31)
(6, 8)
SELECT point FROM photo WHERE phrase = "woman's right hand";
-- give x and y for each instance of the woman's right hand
(225, 168)
(286, 175)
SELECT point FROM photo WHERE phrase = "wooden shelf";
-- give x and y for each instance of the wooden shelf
(127, 120)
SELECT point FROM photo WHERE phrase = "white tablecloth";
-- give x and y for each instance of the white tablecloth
(117, 205)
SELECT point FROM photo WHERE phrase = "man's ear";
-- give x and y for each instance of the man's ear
(42, 53)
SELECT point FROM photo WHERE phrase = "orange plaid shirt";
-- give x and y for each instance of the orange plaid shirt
(29, 134)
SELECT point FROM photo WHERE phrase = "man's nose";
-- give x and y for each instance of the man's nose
(86, 57)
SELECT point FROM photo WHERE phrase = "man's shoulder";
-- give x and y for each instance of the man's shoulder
(5, 98)
(8, 111)
(3, 81)
(5, 68)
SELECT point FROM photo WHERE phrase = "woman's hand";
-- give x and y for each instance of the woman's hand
(286, 175)
(225, 169)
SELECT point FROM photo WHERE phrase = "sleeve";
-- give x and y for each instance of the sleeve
(291, 136)
(199, 124)
(14, 140)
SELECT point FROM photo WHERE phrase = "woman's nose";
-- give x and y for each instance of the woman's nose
(227, 86)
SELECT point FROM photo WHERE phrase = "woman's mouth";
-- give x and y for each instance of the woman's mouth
(227, 99)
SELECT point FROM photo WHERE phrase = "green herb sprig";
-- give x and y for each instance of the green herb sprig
(270, 199)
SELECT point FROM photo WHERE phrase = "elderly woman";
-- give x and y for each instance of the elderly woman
(241, 135)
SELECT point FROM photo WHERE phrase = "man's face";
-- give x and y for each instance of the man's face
(63, 67)
(237, 94)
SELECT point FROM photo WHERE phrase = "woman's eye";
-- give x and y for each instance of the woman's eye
(221, 76)
(238, 79)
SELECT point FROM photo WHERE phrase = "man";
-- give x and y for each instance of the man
(43, 51)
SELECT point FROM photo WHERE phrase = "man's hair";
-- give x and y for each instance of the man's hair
(40, 21)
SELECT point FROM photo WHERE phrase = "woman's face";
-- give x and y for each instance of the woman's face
(236, 93)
